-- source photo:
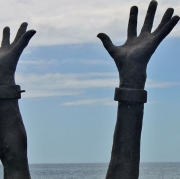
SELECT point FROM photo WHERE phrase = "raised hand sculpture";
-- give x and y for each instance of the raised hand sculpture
(13, 140)
(131, 60)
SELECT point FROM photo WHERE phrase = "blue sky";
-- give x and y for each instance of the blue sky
(69, 78)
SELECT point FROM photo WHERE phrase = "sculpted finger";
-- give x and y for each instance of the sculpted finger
(148, 23)
(167, 28)
(23, 42)
(132, 26)
(6, 37)
(166, 18)
(106, 41)
(21, 31)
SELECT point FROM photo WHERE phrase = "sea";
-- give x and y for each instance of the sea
(98, 171)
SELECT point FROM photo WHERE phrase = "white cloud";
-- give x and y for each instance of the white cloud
(37, 62)
(57, 84)
(63, 84)
(154, 102)
(69, 21)
(89, 61)
(54, 62)
(160, 84)
(101, 101)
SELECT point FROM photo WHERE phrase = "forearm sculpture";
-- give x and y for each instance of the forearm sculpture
(13, 140)
(131, 60)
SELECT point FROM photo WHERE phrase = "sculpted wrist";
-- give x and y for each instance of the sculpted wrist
(7, 79)
(130, 95)
(133, 79)
(10, 92)
(132, 85)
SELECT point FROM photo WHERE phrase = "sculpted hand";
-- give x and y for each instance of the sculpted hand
(10, 53)
(133, 56)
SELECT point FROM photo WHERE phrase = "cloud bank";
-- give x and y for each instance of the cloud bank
(58, 84)
(73, 22)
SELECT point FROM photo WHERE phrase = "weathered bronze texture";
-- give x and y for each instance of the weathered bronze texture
(13, 140)
(131, 60)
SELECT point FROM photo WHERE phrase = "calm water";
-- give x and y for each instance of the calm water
(98, 171)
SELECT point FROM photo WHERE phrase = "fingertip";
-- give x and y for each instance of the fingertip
(102, 36)
(170, 9)
(6, 29)
(99, 35)
(154, 2)
(24, 24)
(31, 32)
(177, 17)
(134, 10)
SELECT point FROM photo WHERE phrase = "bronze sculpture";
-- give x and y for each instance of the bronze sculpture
(13, 140)
(131, 60)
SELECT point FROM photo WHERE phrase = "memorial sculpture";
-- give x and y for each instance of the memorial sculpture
(13, 140)
(131, 60)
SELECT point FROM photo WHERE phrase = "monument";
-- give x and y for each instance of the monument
(13, 140)
(131, 60)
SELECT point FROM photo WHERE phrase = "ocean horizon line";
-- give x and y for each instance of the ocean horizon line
(96, 162)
